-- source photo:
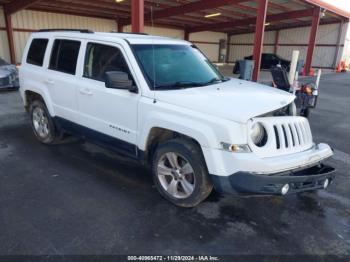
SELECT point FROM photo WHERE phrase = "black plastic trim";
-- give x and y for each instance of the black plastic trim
(307, 179)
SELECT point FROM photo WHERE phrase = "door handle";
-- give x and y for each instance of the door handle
(85, 91)
(50, 81)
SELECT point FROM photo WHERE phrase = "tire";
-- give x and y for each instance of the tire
(180, 173)
(42, 124)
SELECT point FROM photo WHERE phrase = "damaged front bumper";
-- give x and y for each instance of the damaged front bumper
(307, 179)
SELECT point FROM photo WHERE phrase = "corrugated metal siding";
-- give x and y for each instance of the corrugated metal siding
(211, 48)
(37, 20)
(20, 40)
(238, 52)
(345, 52)
(33, 20)
(211, 51)
(323, 56)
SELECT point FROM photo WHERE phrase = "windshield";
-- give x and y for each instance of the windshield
(176, 66)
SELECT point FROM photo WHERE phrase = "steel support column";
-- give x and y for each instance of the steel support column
(137, 16)
(120, 28)
(259, 37)
(228, 48)
(312, 41)
(187, 36)
(9, 31)
(341, 24)
(277, 36)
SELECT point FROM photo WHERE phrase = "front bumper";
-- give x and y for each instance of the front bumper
(223, 163)
(306, 179)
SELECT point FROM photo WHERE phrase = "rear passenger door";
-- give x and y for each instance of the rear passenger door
(61, 78)
(32, 70)
(109, 114)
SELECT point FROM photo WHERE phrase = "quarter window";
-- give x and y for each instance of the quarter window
(100, 59)
(64, 56)
(36, 52)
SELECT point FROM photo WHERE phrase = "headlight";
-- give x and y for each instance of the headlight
(258, 135)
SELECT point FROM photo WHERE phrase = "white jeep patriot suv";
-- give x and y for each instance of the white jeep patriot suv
(161, 101)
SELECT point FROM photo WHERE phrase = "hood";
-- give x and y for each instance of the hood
(235, 100)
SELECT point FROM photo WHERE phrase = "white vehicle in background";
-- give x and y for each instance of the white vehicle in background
(161, 101)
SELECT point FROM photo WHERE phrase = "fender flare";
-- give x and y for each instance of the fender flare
(195, 129)
(45, 96)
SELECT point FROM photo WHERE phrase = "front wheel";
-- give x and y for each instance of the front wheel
(180, 173)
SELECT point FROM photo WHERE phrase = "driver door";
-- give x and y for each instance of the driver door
(109, 116)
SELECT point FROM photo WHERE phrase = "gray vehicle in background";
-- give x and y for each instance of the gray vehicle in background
(8, 75)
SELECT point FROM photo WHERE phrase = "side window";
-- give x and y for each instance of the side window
(100, 59)
(64, 56)
(36, 51)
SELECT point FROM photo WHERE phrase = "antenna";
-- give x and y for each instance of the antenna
(154, 59)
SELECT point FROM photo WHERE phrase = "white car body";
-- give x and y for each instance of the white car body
(211, 115)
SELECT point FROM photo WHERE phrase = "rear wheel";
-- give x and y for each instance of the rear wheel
(42, 123)
(180, 173)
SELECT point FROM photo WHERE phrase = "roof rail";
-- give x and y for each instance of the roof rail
(130, 33)
(87, 31)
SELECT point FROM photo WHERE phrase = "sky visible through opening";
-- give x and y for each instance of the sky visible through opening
(343, 4)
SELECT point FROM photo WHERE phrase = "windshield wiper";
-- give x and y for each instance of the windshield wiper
(184, 84)
(212, 81)
(180, 84)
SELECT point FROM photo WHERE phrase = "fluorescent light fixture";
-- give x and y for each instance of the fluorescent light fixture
(266, 24)
(212, 15)
(119, 1)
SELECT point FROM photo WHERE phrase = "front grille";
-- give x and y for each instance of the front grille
(286, 135)
(294, 134)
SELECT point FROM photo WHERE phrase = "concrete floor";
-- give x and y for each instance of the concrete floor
(76, 198)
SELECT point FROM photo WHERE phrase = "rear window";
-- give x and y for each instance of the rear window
(36, 52)
(64, 56)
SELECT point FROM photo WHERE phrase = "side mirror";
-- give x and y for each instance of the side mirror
(119, 80)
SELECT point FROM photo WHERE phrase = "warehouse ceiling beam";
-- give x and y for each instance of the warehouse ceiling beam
(325, 21)
(18, 5)
(186, 8)
(252, 21)
(259, 37)
(330, 7)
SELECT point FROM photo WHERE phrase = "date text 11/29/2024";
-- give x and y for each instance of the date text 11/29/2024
(173, 258)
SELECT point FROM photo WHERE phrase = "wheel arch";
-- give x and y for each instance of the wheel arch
(30, 95)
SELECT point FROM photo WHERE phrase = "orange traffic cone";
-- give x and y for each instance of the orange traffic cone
(342, 67)
(338, 69)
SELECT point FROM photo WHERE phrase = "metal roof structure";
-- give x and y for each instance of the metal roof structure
(229, 16)
(236, 16)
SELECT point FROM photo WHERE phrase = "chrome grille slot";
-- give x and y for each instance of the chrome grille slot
(286, 135)
(292, 134)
